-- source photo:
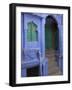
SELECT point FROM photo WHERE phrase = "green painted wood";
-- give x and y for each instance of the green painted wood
(31, 32)
(48, 37)
(34, 34)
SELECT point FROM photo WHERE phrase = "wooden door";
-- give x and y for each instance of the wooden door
(48, 37)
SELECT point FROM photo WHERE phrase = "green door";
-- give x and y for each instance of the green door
(48, 38)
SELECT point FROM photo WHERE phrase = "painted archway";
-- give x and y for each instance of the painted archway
(51, 33)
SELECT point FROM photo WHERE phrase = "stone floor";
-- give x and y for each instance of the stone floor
(53, 68)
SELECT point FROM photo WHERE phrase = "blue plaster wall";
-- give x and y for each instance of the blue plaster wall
(38, 21)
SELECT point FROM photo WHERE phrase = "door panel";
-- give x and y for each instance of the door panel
(48, 38)
(51, 38)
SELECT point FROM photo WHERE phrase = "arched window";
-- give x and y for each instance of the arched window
(32, 33)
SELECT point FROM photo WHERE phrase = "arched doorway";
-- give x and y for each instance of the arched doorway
(51, 44)
(51, 33)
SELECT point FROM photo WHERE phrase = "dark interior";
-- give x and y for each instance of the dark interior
(32, 72)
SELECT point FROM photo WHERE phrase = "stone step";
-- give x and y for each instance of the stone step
(56, 73)
(49, 56)
(53, 70)
(51, 59)
(50, 52)
(52, 64)
(55, 67)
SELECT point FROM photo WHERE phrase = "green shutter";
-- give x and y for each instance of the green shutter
(34, 36)
(29, 32)
(32, 32)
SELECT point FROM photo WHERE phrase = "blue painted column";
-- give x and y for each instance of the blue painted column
(61, 47)
(23, 71)
(60, 26)
(44, 61)
(44, 67)
(43, 38)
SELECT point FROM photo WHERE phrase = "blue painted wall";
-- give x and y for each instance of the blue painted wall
(38, 21)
